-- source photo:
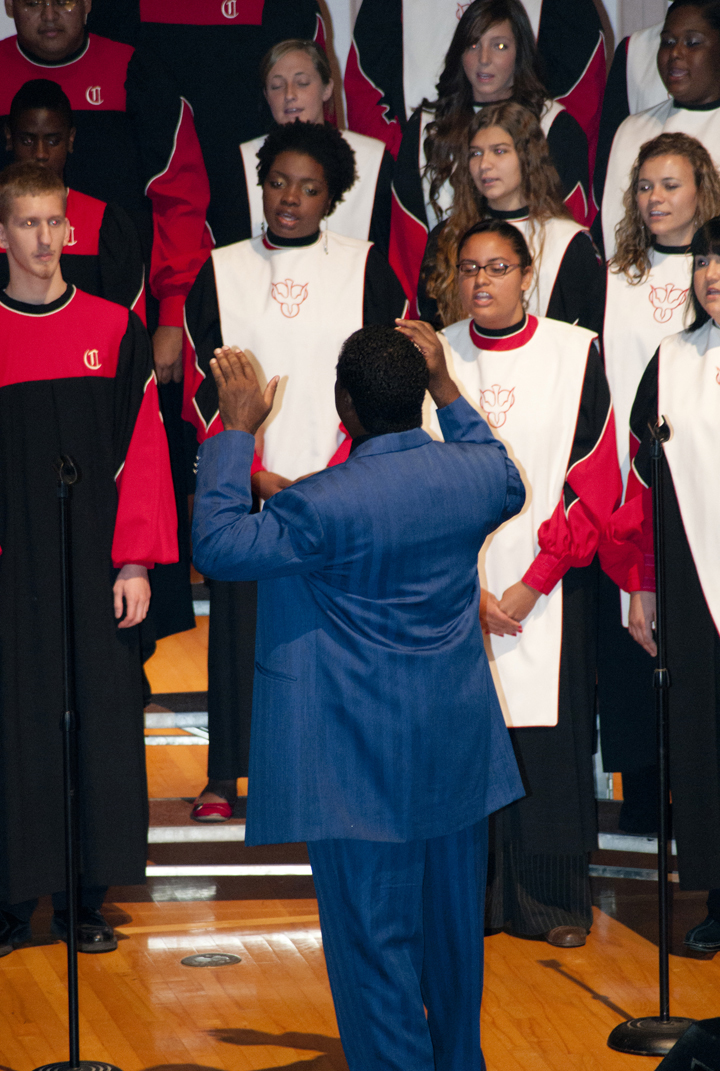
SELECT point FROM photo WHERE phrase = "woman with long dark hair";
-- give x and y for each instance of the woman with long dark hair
(508, 174)
(681, 385)
(297, 84)
(540, 384)
(492, 57)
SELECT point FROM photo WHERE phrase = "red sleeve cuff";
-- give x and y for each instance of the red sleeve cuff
(545, 572)
(171, 311)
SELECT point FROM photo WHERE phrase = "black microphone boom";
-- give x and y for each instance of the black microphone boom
(67, 474)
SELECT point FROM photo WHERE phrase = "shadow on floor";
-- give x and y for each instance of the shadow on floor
(330, 1048)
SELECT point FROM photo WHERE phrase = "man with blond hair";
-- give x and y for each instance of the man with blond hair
(76, 379)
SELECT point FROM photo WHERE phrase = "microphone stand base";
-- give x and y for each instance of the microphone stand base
(650, 1036)
(81, 1065)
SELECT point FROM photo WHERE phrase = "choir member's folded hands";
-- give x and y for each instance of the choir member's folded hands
(243, 406)
(131, 595)
(493, 620)
(442, 389)
(641, 620)
(518, 600)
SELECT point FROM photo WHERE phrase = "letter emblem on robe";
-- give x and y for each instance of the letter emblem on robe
(289, 296)
(229, 9)
(93, 95)
(92, 359)
(71, 239)
(495, 403)
(664, 300)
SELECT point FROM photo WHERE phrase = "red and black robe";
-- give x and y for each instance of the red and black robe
(76, 378)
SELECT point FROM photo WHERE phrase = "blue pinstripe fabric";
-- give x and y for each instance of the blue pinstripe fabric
(409, 930)
(374, 712)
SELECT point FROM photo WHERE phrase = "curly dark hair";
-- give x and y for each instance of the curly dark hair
(706, 242)
(40, 93)
(541, 187)
(386, 376)
(323, 142)
(446, 136)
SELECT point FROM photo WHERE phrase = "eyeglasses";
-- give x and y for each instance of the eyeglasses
(37, 5)
(494, 268)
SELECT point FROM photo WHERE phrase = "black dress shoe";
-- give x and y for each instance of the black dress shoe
(566, 936)
(13, 932)
(705, 937)
(94, 933)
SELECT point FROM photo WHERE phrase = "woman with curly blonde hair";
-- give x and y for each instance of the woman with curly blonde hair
(673, 189)
(508, 174)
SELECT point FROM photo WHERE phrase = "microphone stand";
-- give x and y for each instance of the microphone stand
(67, 474)
(656, 1035)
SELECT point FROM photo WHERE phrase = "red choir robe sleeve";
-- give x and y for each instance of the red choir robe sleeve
(146, 520)
(569, 538)
(626, 550)
(176, 182)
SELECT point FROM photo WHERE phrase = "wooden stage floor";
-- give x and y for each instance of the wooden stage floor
(545, 1009)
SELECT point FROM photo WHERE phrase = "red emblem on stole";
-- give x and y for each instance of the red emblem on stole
(289, 296)
(495, 402)
(664, 300)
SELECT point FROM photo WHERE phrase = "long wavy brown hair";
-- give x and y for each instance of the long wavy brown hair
(445, 139)
(634, 239)
(541, 186)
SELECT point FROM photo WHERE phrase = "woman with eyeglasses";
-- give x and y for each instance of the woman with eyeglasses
(297, 84)
(681, 385)
(492, 57)
(508, 174)
(541, 386)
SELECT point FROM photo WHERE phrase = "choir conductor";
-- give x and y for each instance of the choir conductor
(377, 734)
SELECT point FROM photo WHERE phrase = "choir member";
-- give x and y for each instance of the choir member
(297, 84)
(509, 175)
(103, 255)
(398, 46)
(492, 57)
(136, 144)
(673, 188)
(689, 65)
(290, 297)
(76, 378)
(633, 84)
(541, 386)
(214, 51)
(681, 385)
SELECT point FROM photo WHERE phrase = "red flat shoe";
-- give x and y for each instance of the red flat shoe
(211, 812)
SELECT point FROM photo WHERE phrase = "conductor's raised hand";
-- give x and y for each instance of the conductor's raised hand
(243, 406)
(441, 387)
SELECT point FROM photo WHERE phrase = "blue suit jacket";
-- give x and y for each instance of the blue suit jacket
(374, 711)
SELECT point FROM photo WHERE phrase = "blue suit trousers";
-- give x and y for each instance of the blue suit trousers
(402, 926)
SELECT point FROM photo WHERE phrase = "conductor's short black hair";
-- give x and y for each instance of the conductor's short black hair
(705, 243)
(323, 142)
(40, 93)
(386, 376)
